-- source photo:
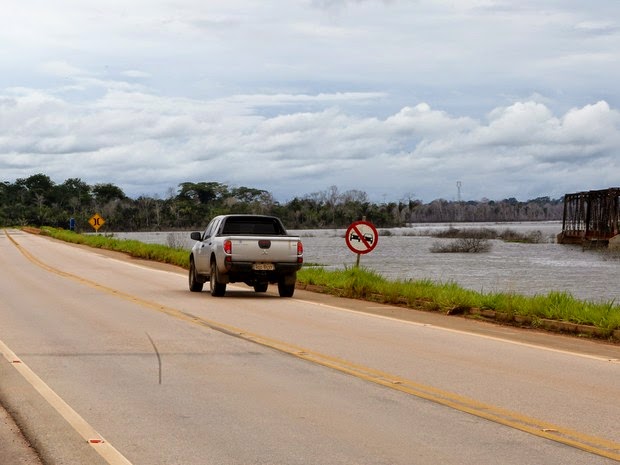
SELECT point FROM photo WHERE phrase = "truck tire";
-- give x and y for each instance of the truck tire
(195, 285)
(218, 289)
(285, 288)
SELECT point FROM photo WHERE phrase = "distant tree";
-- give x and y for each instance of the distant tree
(14, 202)
(36, 200)
(203, 192)
(37, 197)
(107, 192)
(74, 194)
(37, 184)
(247, 194)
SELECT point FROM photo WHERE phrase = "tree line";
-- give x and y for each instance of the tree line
(38, 201)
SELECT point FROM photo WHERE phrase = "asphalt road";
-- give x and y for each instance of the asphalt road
(113, 361)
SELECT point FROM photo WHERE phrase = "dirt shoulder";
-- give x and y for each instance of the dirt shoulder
(14, 449)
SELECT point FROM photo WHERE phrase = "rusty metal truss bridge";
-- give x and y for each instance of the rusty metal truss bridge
(591, 217)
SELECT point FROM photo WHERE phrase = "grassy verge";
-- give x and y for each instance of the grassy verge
(361, 283)
(155, 252)
(450, 298)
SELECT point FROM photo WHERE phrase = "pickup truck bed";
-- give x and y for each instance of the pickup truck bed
(254, 249)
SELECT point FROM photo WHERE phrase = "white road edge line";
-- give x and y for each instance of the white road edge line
(90, 435)
(467, 333)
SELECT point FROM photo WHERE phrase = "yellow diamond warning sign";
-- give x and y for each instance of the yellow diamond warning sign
(96, 221)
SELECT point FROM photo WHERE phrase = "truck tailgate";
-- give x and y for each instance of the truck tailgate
(267, 249)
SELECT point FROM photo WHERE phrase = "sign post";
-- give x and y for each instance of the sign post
(361, 237)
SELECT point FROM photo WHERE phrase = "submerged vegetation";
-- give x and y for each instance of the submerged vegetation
(506, 235)
(463, 245)
(476, 240)
(360, 283)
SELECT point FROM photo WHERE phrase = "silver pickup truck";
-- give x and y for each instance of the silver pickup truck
(254, 249)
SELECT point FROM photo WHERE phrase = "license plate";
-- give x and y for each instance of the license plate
(263, 266)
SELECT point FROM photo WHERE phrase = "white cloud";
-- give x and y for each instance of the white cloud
(132, 73)
(515, 99)
(137, 137)
(61, 68)
(598, 27)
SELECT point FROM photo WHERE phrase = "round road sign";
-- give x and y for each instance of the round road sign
(362, 237)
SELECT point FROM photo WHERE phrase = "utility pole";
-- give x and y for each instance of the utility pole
(458, 203)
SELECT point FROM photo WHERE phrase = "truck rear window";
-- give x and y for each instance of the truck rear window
(254, 226)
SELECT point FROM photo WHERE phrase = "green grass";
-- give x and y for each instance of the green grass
(361, 283)
(155, 252)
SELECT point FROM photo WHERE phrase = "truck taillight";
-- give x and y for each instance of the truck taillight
(300, 248)
(228, 246)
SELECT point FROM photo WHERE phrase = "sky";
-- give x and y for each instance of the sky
(398, 99)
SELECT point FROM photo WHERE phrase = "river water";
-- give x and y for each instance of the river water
(404, 253)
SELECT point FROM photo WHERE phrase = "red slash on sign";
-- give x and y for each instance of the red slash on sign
(361, 237)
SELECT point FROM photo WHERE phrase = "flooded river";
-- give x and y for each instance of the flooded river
(404, 253)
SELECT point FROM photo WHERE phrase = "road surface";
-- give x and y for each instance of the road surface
(112, 361)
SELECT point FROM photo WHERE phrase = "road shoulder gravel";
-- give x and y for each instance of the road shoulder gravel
(14, 449)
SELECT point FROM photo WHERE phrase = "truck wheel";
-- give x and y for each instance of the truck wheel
(218, 289)
(194, 284)
(284, 289)
(261, 287)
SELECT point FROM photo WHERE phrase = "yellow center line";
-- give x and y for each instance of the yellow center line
(536, 427)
